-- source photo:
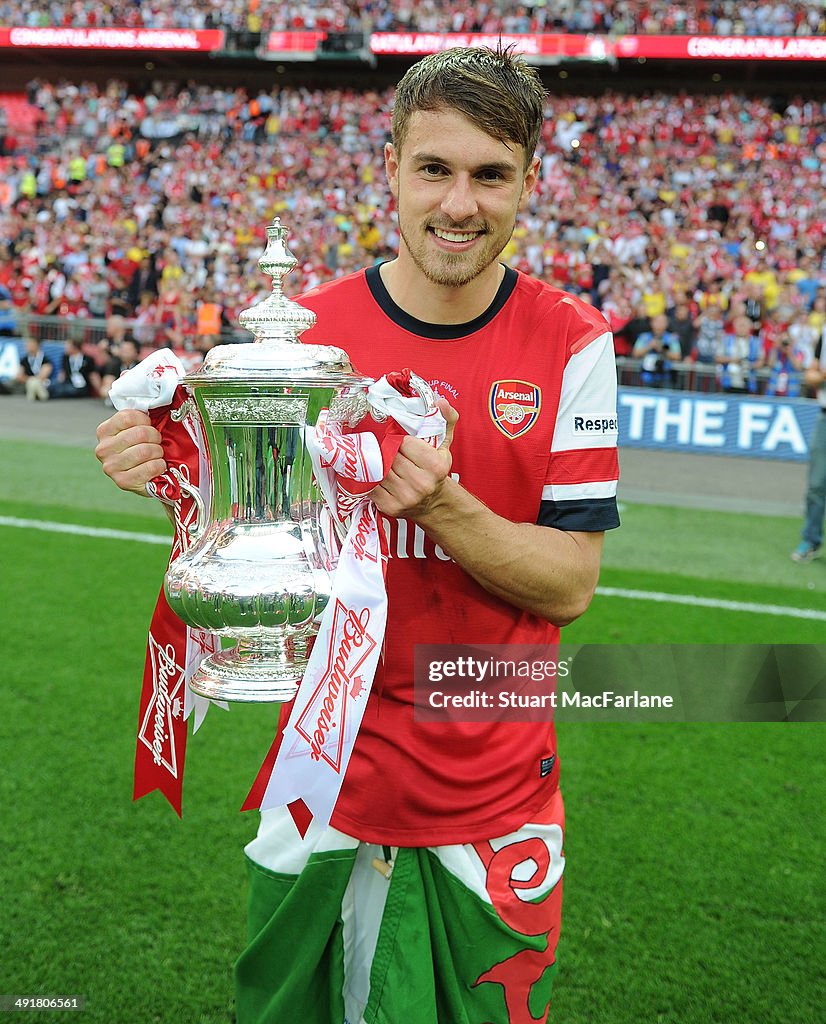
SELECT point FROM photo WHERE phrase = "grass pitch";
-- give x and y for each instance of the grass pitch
(694, 875)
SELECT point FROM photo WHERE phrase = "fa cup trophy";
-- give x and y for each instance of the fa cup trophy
(259, 571)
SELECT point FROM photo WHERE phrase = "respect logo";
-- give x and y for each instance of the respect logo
(596, 424)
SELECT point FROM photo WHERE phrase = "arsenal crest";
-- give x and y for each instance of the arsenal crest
(514, 406)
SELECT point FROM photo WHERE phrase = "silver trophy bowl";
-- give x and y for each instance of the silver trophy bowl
(258, 572)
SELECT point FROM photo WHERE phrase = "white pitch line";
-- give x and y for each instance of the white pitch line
(633, 595)
(84, 531)
(714, 602)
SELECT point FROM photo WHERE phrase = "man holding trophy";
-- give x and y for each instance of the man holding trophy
(434, 895)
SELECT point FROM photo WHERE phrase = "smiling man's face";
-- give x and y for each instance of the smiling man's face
(458, 191)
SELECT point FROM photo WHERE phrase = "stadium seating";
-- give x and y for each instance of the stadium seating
(510, 16)
(646, 200)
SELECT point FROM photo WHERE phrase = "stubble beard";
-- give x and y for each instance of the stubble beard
(452, 270)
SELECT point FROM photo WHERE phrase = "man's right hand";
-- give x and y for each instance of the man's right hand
(129, 450)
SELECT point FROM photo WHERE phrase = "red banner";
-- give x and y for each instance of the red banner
(294, 42)
(560, 46)
(541, 47)
(721, 47)
(547, 45)
(113, 39)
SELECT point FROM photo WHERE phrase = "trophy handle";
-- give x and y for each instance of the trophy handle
(351, 405)
(197, 528)
(424, 391)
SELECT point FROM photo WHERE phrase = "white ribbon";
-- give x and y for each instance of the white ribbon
(150, 384)
(329, 706)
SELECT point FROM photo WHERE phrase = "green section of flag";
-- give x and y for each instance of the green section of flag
(437, 940)
(293, 966)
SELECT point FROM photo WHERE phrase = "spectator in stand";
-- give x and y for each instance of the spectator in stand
(210, 316)
(144, 281)
(118, 296)
(107, 363)
(172, 272)
(710, 330)
(77, 376)
(681, 323)
(804, 336)
(8, 317)
(712, 294)
(817, 316)
(762, 288)
(640, 323)
(35, 372)
(740, 356)
(753, 299)
(785, 364)
(368, 237)
(806, 279)
(129, 354)
(145, 320)
(169, 318)
(773, 328)
(602, 262)
(124, 356)
(618, 312)
(659, 350)
(96, 295)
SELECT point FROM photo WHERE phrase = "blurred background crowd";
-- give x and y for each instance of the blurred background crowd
(695, 222)
(705, 17)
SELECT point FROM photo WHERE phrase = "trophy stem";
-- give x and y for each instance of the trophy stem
(253, 672)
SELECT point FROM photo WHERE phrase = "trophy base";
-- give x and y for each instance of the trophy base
(249, 676)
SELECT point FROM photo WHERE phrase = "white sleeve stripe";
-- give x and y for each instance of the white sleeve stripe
(578, 492)
(587, 413)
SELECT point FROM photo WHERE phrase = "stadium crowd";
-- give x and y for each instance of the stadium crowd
(705, 212)
(705, 17)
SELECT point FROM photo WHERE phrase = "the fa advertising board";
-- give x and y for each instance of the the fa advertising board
(761, 427)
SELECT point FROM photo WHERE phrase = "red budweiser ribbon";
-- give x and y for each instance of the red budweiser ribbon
(174, 650)
(162, 728)
(306, 765)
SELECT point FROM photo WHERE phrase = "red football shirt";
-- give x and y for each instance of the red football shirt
(534, 383)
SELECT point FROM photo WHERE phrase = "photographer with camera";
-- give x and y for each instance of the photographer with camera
(740, 356)
(659, 349)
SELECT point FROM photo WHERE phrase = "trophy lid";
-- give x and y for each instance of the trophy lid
(276, 323)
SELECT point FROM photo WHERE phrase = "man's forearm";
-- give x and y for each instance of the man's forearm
(545, 571)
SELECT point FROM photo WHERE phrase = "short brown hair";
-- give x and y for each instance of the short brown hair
(494, 89)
